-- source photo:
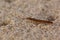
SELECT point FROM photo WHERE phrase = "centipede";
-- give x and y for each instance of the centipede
(39, 21)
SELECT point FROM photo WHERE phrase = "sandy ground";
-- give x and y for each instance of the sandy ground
(14, 26)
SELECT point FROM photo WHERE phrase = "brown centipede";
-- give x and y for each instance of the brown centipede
(40, 21)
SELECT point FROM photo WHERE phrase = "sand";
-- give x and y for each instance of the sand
(15, 26)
